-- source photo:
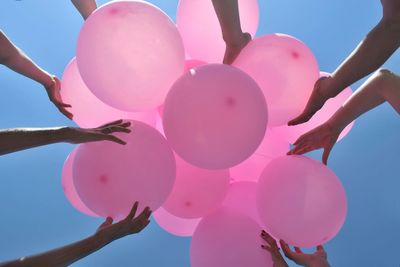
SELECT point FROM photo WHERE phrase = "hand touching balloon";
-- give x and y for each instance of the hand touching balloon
(53, 91)
(273, 248)
(102, 133)
(324, 136)
(318, 259)
(128, 226)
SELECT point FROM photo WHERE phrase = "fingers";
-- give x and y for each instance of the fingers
(132, 213)
(113, 129)
(113, 123)
(145, 215)
(113, 138)
(326, 153)
(286, 250)
(298, 250)
(320, 248)
(266, 248)
(302, 118)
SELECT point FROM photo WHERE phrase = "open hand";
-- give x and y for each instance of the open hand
(316, 259)
(102, 133)
(324, 136)
(53, 91)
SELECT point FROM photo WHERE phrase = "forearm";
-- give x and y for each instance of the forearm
(367, 97)
(12, 140)
(370, 54)
(12, 57)
(85, 7)
(228, 15)
(63, 256)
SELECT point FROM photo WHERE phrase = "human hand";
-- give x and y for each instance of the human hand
(316, 101)
(324, 136)
(128, 226)
(102, 133)
(317, 259)
(53, 91)
(273, 248)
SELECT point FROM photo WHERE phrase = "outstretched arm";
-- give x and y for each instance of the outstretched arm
(13, 57)
(12, 140)
(228, 15)
(106, 234)
(380, 43)
(85, 7)
(382, 86)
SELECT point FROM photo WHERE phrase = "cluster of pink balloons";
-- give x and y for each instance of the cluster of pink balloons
(207, 151)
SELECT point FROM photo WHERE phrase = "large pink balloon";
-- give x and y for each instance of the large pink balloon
(285, 68)
(271, 147)
(215, 116)
(196, 192)
(200, 29)
(129, 54)
(69, 188)
(301, 201)
(228, 238)
(241, 197)
(291, 133)
(88, 110)
(175, 225)
(110, 177)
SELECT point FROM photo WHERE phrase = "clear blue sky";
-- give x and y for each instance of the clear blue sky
(35, 216)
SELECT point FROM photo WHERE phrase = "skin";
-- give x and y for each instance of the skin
(381, 87)
(15, 59)
(106, 233)
(317, 259)
(12, 140)
(379, 44)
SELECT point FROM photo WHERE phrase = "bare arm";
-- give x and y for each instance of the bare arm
(228, 15)
(15, 59)
(106, 234)
(381, 87)
(380, 43)
(85, 7)
(12, 140)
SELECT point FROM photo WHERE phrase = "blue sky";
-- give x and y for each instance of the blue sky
(35, 215)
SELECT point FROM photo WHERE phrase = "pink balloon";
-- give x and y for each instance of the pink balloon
(250, 170)
(285, 68)
(228, 238)
(110, 177)
(196, 192)
(301, 201)
(129, 54)
(88, 110)
(291, 133)
(175, 225)
(200, 29)
(69, 188)
(189, 64)
(215, 116)
(241, 197)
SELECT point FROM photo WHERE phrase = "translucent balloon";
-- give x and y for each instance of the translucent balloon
(110, 177)
(301, 201)
(129, 54)
(189, 64)
(88, 110)
(69, 188)
(200, 29)
(175, 225)
(228, 238)
(291, 133)
(196, 192)
(285, 68)
(241, 197)
(215, 116)
(271, 147)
